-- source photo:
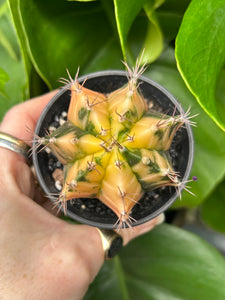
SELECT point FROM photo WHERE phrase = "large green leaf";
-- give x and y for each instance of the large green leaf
(213, 209)
(125, 13)
(175, 6)
(108, 57)
(82, 0)
(167, 263)
(7, 45)
(14, 4)
(4, 77)
(169, 23)
(131, 32)
(15, 82)
(209, 162)
(153, 44)
(170, 15)
(200, 53)
(65, 35)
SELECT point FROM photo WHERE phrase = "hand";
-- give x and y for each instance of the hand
(42, 256)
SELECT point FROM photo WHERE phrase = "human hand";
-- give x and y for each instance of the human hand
(42, 256)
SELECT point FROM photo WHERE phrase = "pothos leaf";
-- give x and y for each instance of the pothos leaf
(125, 13)
(200, 53)
(7, 45)
(153, 44)
(13, 78)
(82, 0)
(4, 77)
(60, 36)
(14, 8)
(213, 209)
(162, 265)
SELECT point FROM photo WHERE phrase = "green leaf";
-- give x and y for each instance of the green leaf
(170, 15)
(125, 13)
(64, 35)
(3, 7)
(209, 154)
(174, 6)
(213, 209)
(7, 45)
(14, 5)
(220, 91)
(167, 263)
(82, 0)
(153, 44)
(108, 57)
(200, 53)
(15, 87)
(145, 38)
(4, 77)
(170, 24)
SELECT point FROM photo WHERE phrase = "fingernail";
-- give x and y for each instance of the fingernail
(160, 219)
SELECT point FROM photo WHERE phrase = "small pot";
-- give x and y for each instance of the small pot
(92, 211)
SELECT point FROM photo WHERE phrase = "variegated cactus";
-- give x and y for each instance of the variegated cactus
(113, 147)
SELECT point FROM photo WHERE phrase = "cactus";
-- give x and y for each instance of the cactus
(113, 147)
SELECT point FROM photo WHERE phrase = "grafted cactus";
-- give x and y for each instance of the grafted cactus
(114, 147)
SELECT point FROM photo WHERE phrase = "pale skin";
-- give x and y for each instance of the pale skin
(42, 256)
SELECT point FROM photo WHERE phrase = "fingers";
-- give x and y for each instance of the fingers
(20, 121)
(131, 233)
(86, 245)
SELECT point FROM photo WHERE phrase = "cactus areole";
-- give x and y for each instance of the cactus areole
(126, 149)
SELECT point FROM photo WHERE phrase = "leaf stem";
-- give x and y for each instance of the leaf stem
(121, 278)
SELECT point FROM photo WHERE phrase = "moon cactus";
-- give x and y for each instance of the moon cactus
(114, 147)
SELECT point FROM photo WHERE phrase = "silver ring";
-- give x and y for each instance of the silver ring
(10, 142)
(111, 242)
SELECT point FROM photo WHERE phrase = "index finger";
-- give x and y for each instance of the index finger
(25, 115)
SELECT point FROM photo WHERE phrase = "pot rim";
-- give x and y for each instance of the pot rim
(169, 96)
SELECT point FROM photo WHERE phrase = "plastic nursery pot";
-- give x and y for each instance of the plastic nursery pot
(92, 211)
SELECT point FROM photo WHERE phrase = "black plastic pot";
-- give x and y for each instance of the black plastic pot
(92, 211)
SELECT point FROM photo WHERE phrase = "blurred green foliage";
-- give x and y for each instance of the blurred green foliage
(39, 39)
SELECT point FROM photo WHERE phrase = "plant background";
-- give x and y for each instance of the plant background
(184, 43)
